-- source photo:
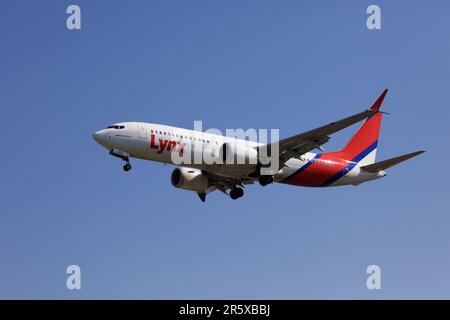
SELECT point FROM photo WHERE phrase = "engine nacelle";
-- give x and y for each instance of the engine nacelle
(236, 153)
(189, 179)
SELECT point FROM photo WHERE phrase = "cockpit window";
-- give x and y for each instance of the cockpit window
(115, 127)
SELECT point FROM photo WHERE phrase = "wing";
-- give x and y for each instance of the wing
(295, 146)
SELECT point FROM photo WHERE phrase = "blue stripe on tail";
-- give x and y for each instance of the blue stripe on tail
(350, 165)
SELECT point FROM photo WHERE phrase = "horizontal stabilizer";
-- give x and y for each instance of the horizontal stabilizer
(382, 165)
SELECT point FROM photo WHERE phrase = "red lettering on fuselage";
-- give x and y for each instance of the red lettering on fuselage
(164, 144)
(152, 142)
(171, 145)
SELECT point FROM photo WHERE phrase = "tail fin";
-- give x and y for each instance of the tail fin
(362, 147)
(382, 165)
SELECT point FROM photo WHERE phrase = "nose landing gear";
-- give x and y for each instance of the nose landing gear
(124, 156)
(127, 166)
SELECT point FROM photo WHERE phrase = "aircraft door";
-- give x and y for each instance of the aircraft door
(142, 131)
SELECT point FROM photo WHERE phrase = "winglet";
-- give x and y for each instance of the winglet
(376, 106)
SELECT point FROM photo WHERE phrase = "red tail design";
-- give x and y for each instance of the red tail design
(365, 140)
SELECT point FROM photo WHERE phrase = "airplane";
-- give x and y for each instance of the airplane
(298, 166)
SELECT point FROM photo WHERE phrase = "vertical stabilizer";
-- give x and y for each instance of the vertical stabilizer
(362, 147)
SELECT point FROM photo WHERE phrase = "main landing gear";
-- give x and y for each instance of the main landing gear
(265, 180)
(236, 193)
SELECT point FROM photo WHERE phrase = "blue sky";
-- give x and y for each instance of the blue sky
(292, 65)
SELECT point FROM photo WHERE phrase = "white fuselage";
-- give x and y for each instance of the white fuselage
(161, 143)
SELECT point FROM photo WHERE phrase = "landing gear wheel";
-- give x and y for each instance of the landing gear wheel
(236, 193)
(265, 180)
(127, 167)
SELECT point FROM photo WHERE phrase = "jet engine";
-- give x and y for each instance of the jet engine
(189, 179)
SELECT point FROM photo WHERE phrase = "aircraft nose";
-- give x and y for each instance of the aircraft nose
(97, 136)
